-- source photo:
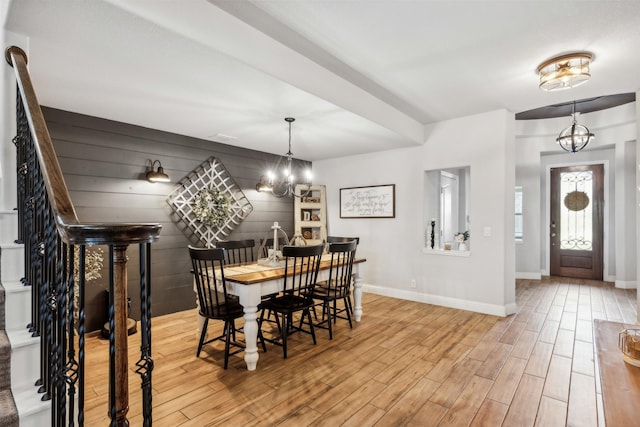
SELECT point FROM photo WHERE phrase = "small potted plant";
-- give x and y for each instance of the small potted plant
(462, 237)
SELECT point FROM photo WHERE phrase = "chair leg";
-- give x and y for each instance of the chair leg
(313, 332)
(285, 327)
(260, 335)
(227, 326)
(233, 330)
(348, 311)
(202, 335)
(326, 311)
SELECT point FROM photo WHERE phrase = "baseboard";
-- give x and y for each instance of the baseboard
(528, 276)
(626, 284)
(479, 307)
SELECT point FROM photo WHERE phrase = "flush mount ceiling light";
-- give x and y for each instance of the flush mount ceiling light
(565, 71)
(281, 181)
(575, 137)
(157, 175)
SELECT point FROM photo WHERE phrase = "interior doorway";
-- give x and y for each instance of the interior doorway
(576, 221)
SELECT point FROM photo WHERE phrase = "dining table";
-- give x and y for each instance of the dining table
(249, 282)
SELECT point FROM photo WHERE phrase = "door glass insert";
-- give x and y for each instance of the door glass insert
(576, 213)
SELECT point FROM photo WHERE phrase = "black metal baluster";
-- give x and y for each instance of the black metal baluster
(49, 358)
(145, 364)
(81, 331)
(112, 341)
(60, 332)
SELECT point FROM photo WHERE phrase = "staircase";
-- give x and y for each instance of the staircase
(20, 404)
(53, 235)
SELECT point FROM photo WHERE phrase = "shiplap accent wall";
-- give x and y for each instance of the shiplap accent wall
(104, 164)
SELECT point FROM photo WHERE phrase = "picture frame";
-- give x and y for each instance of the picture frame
(374, 201)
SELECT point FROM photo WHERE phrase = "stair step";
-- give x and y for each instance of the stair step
(12, 259)
(17, 305)
(32, 411)
(25, 359)
(9, 224)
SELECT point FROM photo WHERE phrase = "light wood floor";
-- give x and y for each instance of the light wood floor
(406, 363)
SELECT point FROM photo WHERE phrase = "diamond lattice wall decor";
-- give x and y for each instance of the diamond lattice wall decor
(210, 175)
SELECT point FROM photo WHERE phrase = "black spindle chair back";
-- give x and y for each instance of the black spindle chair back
(302, 264)
(338, 286)
(213, 300)
(238, 251)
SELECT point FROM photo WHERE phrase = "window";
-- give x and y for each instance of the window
(518, 212)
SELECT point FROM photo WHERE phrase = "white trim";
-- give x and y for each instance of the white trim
(528, 276)
(626, 284)
(452, 252)
(605, 218)
(11, 245)
(479, 307)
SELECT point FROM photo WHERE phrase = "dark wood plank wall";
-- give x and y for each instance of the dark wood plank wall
(104, 164)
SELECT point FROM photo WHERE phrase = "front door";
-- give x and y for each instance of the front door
(577, 199)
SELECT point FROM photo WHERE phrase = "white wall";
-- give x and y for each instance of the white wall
(483, 281)
(8, 199)
(614, 145)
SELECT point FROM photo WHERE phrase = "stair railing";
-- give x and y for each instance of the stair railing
(52, 234)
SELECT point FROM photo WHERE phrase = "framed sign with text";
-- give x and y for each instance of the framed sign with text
(376, 201)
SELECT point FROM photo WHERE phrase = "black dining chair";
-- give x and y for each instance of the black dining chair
(301, 272)
(238, 251)
(340, 239)
(213, 301)
(337, 287)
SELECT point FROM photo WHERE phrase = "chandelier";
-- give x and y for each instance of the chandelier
(281, 181)
(565, 71)
(575, 137)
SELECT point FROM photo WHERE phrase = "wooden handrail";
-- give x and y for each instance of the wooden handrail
(70, 229)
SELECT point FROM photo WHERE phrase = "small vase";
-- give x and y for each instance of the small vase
(462, 246)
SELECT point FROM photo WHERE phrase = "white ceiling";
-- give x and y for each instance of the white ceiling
(358, 75)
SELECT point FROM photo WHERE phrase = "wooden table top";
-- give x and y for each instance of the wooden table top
(249, 274)
(620, 381)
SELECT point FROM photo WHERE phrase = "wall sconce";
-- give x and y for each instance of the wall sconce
(157, 175)
(263, 186)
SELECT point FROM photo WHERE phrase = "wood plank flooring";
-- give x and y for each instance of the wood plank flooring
(406, 363)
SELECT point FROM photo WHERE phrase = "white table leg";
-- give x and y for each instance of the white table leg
(357, 296)
(251, 337)
(250, 298)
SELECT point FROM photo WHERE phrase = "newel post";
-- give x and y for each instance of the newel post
(118, 372)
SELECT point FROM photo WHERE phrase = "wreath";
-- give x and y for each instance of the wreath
(211, 207)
